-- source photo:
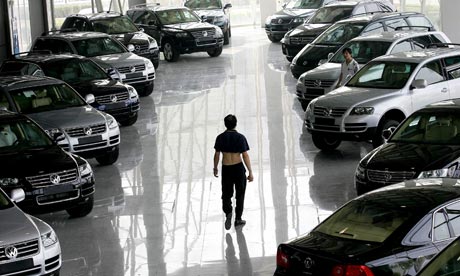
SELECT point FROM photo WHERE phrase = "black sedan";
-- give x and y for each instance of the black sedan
(391, 231)
(426, 144)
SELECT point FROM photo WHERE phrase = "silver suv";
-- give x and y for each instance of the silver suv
(64, 114)
(28, 246)
(382, 94)
(323, 79)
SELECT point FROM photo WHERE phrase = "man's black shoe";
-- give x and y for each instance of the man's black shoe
(228, 221)
(239, 222)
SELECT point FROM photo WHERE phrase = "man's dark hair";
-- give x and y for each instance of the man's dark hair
(346, 50)
(230, 121)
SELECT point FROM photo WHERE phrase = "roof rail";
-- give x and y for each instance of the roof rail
(399, 28)
(436, 45)
(364, 13)
(78, 14)
(67, 30)
(48, 52)
(146, 5)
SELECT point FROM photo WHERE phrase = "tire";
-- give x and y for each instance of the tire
(130, 121)
(378, 140)
(147, 90)
(215, 53)
(170, 52)
(325, 142)
(229, 31)
(304, 104)
(109, 158)
(227, 37)
(82, 210)
(273, 39)
(289, 58)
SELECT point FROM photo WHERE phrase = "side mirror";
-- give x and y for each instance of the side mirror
(284, 5)
(90, 99)
(322, 61)
(204, 18)
(330, 55)
(17, 195)
(227, 6)
(131, 48)
(419, 84)
(141, 29)
(150, 23)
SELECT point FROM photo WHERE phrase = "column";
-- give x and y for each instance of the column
(267, 8)
(449, 20)
(38, 18)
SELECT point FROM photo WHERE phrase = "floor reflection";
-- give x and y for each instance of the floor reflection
(235, 266)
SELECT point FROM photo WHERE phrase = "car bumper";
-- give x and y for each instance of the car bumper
(121, 110)
(192, 46)
(298, 70)
(280, 30)
(310, 93)
(291, 51)
(154, 55)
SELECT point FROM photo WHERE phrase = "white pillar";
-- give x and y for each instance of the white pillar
(267, 8)
(449, 19)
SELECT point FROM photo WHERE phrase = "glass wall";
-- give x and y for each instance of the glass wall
(431, 8)
(18, 11)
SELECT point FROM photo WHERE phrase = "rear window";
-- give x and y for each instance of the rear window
(365, 220)
(330, 15)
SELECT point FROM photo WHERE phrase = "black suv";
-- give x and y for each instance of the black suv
(119, 27)
(296, 39)
(339, 33)
(85, 76)
(212, 11)
(51, 178)
(178, 30)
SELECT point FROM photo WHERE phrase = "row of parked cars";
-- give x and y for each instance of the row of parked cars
(63, 102)
(405, 100)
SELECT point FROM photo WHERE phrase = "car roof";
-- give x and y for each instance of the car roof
(45, 58)
(18, 82)
(75, 35)
(342, 3)
(98, 15)
(419, 56)
(376, 16)
(392, 36)
(158, 8)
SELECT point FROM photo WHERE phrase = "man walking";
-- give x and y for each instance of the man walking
(349, 67)
(234, 148)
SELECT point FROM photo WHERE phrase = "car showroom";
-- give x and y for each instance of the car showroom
(229, 137)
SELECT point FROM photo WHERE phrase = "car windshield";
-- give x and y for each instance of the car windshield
(5, 203)
(330, 15)
(74, 70)
(98, 46)
(304, 4)
(445, 263)
(115, 25)
(177, 16)
(383, 74)
(22, 135)
(339, 34)
(362, 51)
(370, 220)
(439, 128)
(203, 4)
(46, 98)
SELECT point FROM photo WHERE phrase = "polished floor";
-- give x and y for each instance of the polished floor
(158, 210)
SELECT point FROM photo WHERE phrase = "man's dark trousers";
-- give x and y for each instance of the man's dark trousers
(233, 176)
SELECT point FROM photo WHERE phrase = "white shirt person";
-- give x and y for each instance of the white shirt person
(349, 67)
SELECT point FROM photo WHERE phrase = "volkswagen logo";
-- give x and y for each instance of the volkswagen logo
(205, 33)
(113, 98)
(55, 179)
(317, 83)
(138, 48)
(327, 112)
(88, 131)
(387, 177)
(11, 252)
(132, 69)
(308, 263)
(280, 21)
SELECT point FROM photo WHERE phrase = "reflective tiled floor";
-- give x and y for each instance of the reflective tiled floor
(158, 210)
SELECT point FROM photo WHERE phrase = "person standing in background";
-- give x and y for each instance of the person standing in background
(349, 67)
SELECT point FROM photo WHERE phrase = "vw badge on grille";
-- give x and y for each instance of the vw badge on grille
(280, 21)
(205, 33)
(11, 252)
(308, 263)
(88, 131)
(55, 179)
(327, 112)
(113, 98)
(387, 177)
(138, 48)
(317, 82)
(132, 69)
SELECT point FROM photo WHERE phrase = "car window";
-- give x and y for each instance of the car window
(304, 4)
(402, 46)
(440, 227)
(395, 23)
(78, 24)
(203, 4)
(177, 16)
(452, 60)
(4, 202)
(362, 51)
(17, 136)
(421, 42)
(143, 17)
(431, 72)
(423, 233)
(4, 101)
(21, 68)
(372, 7)
(360, 10)
(339, 34)
(453, 215)
(455, 73)
(437, 38)
(56, 46)
(330, 15)
(99, 46)
(375, 28)
(419, 21)
(74, 70)
(114, 25)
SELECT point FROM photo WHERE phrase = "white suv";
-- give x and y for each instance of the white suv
(382, 94)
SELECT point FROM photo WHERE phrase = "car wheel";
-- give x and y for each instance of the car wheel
(273, 38)
(147, 90)
(229, 31)
(215, 53)
(171, 54)
(130, 121)
(384, 124)
(289, 58)
(304, 104)
(109, 158)
(325, 142)
(227, 37)
(81, 210)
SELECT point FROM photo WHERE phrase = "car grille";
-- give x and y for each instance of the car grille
(43, 180)
(141, 48)
(389, 177)
(107, 99)
(201, 34)
(80, 131)
(329, 112)
(280, 21)
(25, 249)
(301, 40)
(131, 69)
(319, 83)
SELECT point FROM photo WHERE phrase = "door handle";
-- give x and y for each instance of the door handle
(444, 90)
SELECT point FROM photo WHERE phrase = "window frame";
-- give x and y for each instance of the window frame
(442, 208)
(443, 70)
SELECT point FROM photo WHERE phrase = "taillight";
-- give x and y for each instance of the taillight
(282, 259)
(351, 270)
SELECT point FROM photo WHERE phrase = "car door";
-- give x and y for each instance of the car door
(437, 88)
(453, 74)
(148, 21)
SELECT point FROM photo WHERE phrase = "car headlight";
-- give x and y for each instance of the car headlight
(85, 170)
(55, 134)
(132, 92)
(287, 39)
(181, 34)
(8, 181)
(149, 65)
(153, 44)
(360, 172)
(219, 32)
(49, 239)
(362, 111)
(445, 172)
(111, 122)
(219, 19)
(299, 20)
(268, 20)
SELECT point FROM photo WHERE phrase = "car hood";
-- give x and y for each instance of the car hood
(309, 30)
(315, 52)
(118, 60)
(327, 71)
(351, 96)
(132, 38)
(190, 26)
(99, 87)
(69, 117)
(16, 227)
(36, 161)
(292, 12)
(411, 157)
(210, 13)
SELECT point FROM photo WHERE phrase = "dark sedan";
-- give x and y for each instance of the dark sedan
(426, 144)
(391, 231)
